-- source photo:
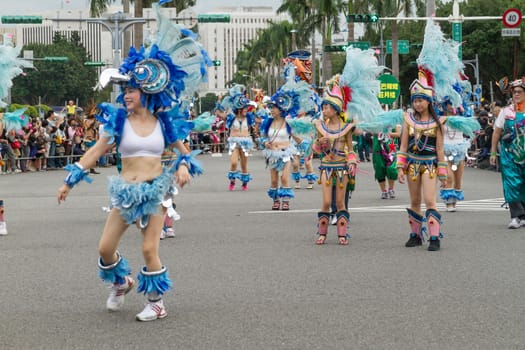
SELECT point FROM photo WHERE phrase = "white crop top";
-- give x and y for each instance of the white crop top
(133, 145)
(279, 135)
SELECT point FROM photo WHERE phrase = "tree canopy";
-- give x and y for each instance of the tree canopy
(57, 81)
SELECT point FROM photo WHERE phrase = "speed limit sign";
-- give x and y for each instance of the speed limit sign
(511, 18)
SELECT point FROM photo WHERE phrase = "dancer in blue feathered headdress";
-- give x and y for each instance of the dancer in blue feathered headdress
(281, 143)
(156, 82)
(10, 67)
(239, 122)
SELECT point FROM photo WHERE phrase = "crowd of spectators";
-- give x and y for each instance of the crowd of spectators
(50, 142)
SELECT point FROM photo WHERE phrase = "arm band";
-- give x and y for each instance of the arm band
(76, 174)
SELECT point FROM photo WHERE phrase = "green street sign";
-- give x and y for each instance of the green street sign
(94, 63)
(403, 46)
(389, 89)
(363, 45)
(334, 48)
(21, 19)
(213, 18)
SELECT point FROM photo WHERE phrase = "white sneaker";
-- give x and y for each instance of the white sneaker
(118, 293)
(522, 222)
(169, 233)
(514, 223)
(152, 311)
(162, 234)
(384, 195)
(3, 228)
(333, 221)
(392, 194)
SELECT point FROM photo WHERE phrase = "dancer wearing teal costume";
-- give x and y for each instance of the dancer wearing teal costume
(509, 134)
(239, 123)
(154, 83)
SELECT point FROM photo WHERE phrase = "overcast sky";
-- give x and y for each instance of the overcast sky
(24, 7)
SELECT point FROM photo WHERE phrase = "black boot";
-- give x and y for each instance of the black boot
(413, 241)
(434, 244)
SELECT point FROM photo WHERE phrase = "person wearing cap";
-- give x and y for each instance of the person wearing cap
(155, 83)
(509, 140)
(421, 159)
(338, 162)
(239, 123)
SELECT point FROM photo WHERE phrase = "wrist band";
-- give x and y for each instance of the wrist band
(401, 160)
(442, 170)
(76, 174)
(193, 165)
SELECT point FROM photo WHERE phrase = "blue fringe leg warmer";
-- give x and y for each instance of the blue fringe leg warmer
(285, 193)
(154, 282)
(232, 175)
(272, 193)
(245, 178)
(115, 272)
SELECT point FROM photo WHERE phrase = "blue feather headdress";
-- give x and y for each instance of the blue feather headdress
(295, 96)
(236, 99)
(169, 68)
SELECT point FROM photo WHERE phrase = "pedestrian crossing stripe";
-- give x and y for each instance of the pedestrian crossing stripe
(479, 205)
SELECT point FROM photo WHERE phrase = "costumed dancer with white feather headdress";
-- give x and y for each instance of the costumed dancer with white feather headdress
(509, 140)
(10, 67)
(350, 98)
(154, 82)
(239, 123)
(452, 94)
(277, 135)
(421, 153)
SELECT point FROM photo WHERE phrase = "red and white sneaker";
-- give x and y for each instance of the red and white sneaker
(117, 294)
(152, 311)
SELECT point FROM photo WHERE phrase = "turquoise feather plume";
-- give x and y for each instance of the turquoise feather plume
(360, 75)
(467, 126)
(383, 122)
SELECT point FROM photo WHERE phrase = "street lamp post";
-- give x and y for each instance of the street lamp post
(117, 19)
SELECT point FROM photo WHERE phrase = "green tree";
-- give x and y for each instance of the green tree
(57, 81)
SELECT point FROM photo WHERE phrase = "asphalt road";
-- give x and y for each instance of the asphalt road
(249, 278)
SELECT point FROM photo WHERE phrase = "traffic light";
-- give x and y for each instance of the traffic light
(360, 18)
(335, 48)
(21, 19)
(213, 18)
(94, 64)
(216, 63)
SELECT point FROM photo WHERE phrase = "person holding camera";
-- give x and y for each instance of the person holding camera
(509, 140)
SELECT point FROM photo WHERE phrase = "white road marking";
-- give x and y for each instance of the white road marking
(492, 204)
